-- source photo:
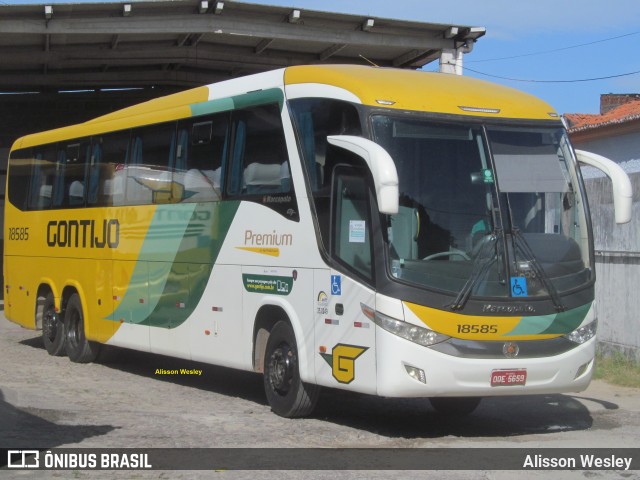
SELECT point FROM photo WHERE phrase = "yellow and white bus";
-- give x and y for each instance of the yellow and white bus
(392, 232)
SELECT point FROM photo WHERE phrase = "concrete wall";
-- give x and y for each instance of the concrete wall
(617, 269)
(617, 246)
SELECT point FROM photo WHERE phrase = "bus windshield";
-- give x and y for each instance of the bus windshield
(485, 211)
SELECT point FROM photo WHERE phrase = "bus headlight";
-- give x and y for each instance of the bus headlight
(584, 333)
(413, 333)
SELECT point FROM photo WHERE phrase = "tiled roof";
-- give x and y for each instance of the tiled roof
(585, 121)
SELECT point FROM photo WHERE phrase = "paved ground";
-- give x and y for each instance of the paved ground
(120, 402)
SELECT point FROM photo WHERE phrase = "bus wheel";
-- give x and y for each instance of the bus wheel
(53, 334)
(287, 395)
(458, 406)
(79, 349)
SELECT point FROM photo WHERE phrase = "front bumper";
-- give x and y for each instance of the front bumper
(451, 376)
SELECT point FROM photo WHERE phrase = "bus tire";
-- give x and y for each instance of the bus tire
(455, 406)
(287, 395)
(79, 349)
(53, 333)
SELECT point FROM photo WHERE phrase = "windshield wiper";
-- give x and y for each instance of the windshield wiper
(520, 243)
(481, 265)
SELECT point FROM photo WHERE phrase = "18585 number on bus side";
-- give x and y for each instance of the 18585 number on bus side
(19, 233)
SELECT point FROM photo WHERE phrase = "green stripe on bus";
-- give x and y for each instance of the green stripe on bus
(260, 97)
(568, 321)
(532, 325)
(161, 243)
(191, 269)
(174, 265)
(212, 106)
(558, 323)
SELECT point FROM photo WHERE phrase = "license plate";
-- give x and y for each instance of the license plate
(507, 378)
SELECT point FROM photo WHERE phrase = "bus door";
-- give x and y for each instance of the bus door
(345, 338)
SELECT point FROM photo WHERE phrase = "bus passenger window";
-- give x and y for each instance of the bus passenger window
(317, 118)
(200, 150)
(70, 182)
(260, 163)
(43, 178)
(22, 164)
(106, 171)
(148, 177)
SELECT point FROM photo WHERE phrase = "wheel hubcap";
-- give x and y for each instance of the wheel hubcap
(281, 368)
(50, 324)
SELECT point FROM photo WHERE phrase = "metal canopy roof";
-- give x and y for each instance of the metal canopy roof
(194, 42)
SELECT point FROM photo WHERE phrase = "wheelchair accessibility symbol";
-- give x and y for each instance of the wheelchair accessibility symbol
(336, 285)
(519, 287)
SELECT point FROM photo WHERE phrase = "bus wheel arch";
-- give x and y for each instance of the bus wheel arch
(79, 349)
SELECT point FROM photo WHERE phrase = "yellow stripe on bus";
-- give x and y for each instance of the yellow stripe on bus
(474, 327)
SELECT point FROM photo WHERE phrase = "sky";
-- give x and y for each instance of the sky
(553, 49)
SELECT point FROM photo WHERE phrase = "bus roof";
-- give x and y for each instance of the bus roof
(375, 86)
(425, 91)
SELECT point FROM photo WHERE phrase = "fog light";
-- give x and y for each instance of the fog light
(581, 371)
(416, 373)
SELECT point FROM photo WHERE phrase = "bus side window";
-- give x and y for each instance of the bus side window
(260, 163)
(351, 237)
(43, 178)
(315, 119)
(106, 172)
(93, 171)
(70, 188)
(148, 178)
(58, 193)
(22, 166)
(200, 152)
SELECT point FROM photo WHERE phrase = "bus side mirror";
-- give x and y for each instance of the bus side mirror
(381, 166)
(622, 191)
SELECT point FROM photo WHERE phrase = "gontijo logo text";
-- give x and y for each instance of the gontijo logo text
(83, 233)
